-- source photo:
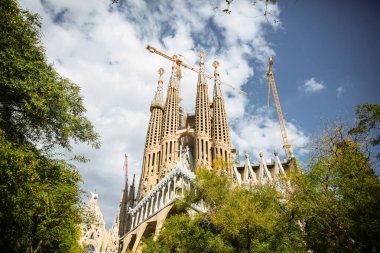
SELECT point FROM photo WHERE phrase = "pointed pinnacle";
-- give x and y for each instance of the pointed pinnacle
(201, 55)
(215, 64)
(161, 72)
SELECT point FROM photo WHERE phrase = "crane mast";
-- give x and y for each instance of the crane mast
(179, 62)
(272, 84)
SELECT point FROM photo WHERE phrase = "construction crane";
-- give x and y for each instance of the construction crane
(179, 62)
(272, 84)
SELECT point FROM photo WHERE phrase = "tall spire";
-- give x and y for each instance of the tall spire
(150, 171)
(125, 168)
(123, 215)
(202, 119)
(220, 128)
(132, 191)
(169, 142)
(158, 100)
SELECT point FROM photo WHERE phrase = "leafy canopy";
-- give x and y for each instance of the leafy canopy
(40, 206)
(239, 219)
(334, 206)
(338, 199)
(368, 125)
(36, 103)
(39, 200)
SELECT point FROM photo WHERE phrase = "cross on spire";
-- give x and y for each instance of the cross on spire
(215, 64)
(201, 55)
(161, 72)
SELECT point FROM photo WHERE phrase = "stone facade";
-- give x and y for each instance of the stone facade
(199, 137)
(176, 143)
(95, 237)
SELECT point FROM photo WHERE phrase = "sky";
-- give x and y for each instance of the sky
(325, 63)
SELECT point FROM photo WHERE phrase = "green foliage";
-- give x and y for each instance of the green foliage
(40, 206)
(368, 125)
(334, 206)
(185, 234)
(239, 219)
(338, 199)
(38, 198)
(36, 103)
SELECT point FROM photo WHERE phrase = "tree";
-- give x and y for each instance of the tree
(338, 198)
(333, 206)
(239, 219)
(36, 104)
(39, 200)
(40, 205)
(368, 125)
(185, 234)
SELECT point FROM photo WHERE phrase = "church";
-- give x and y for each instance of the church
(177, 143)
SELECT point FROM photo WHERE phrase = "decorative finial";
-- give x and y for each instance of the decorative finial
(261, 154)
(275, 153)
(125, 167)
(161, 72)
(174, 62)
(246, 155)
(94, 195)
(201, 55)
(215, 64)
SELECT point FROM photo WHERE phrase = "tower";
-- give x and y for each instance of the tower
(202, 119)
(124, 200)
(150, 168)
(94, 235)
(169, 141)
(173, 139)
(220, 129)
(127, 202)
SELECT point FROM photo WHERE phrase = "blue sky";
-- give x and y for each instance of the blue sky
(325, 61)
(337, 43)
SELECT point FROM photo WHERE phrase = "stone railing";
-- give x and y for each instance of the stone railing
(174, 185)
(170, 188)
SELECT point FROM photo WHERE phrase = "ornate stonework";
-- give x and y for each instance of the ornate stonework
(199, 138)
(177, 143)
(95, 237)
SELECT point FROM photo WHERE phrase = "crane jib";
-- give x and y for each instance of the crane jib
(181, 63)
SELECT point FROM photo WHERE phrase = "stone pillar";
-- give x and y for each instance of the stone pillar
(162, 196)
(174, 186)
(146, 209)
(157, 201)
(133, 221)
(137, 221)
(168, 192)
(141, 213)
(151, 205)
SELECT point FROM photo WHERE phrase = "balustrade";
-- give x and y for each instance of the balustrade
(162, 195)
(178, 181)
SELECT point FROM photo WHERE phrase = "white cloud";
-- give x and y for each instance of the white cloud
(260, 132)
(312, 86)
(101, 47)
(339, 91)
